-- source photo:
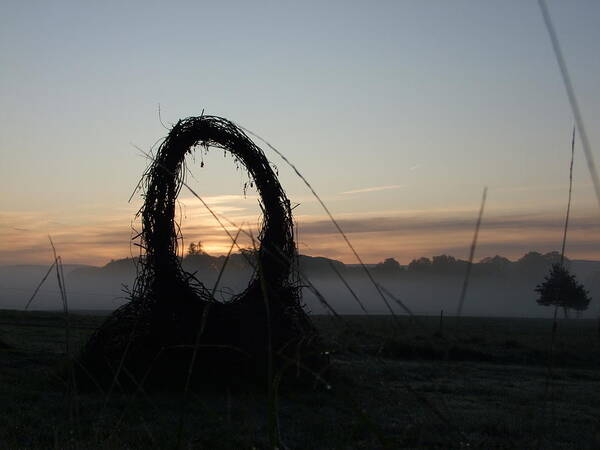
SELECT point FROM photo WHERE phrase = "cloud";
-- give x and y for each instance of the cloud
(373, 189)
(408, 236)
(446, 224)
(95, 239)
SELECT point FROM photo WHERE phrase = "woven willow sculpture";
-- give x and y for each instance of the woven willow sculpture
(173, 330)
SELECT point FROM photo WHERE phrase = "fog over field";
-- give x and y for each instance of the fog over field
(497, 287)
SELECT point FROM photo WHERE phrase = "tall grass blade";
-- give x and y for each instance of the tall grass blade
(40, 285)
(63, 294)
(587, 148)
(564, 241)
(465, 286)
(343, 280)
(333, 221)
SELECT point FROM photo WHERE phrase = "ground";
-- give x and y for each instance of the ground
(411, 383)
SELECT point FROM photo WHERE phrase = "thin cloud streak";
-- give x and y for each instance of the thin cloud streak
(447, 224)
(373, 189)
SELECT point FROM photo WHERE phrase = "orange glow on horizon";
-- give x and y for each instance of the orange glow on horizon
(403, 235)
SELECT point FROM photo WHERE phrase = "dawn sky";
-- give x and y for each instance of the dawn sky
(398, 113)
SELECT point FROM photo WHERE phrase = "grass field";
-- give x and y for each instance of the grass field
(481, 383)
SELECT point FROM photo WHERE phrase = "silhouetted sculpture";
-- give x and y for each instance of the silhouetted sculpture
(173, 318)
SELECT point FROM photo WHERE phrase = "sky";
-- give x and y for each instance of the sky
(398, 113)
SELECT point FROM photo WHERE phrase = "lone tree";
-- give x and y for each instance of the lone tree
(562, 290)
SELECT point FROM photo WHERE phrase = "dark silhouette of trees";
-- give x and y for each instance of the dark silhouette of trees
(448, 265)
(536, 265)
(388, 266)
(438, 265)
(562, 290)
(498, 261)
(496, 265)
(195, 248)
(420, 265)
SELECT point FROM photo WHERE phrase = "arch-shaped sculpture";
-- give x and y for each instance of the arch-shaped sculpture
(164, 180)
(172, 315)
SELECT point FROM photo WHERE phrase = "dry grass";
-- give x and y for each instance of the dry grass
(387, 390)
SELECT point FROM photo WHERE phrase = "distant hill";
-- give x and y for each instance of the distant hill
(499, 287)
(532, 264)
(17, 283)
(124, 267)
(22, 275)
